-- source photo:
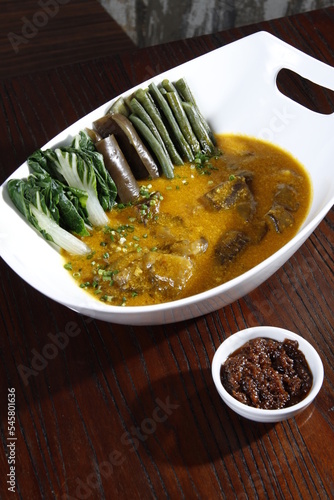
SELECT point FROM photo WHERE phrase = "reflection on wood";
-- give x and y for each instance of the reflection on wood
(45, 34)
(150, 22)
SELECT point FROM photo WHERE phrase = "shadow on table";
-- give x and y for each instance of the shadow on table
(180, 419)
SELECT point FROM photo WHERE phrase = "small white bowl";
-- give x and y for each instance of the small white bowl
(240, 338)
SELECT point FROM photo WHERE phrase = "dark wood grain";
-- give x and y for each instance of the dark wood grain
(87, 418)
(41, 34)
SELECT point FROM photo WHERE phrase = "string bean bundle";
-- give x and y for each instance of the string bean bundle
(168, 119)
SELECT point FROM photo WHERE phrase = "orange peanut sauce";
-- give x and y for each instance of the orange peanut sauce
(178, 247)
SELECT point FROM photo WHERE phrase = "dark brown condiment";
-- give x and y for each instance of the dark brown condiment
(267, 374)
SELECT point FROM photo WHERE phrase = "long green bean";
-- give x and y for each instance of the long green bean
(179, 138)
(198, 127)
(154, 113)
(139, 110)
(184, 90)
(119, 106)
(163, 158)
(168, 85)
(175, 103)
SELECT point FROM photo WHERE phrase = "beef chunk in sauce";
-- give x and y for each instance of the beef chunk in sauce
(188, 248)
(146, 210)
(286, 196)
(130, 275)
(259, 230)
(248, 175)
(285, 202)
(168, 272)
(279, 217)
(234, 193)
(230, 245)
(155, 272)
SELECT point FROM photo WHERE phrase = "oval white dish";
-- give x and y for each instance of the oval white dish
(258, 109)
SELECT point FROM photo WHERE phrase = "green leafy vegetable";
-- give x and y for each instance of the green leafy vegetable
(30, 201)
(80, 174)
(81, 168)
(106, 187)
(66, 204)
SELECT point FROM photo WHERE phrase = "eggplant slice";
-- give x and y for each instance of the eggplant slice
(118, 167)
(139, 158)
(230, 245)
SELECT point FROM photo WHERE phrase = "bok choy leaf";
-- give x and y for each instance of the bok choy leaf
(80, 174)
(81, 167)
(66, 205)
(72, 169)
(30, 201)
(106, 187)
(38, 166)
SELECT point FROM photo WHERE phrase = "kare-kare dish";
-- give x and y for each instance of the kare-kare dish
(210, 223)
(160, 208)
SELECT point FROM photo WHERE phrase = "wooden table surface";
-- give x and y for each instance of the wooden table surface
(42, 34)
(132, 412)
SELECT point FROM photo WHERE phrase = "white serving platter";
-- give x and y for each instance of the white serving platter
(235, 88)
